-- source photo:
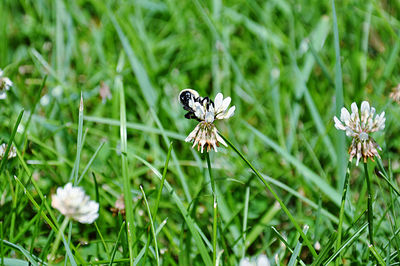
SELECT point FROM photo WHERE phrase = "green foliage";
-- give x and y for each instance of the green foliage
(277, 59)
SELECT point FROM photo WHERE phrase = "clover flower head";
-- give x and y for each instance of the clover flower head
(11, 154)
(395, 94)
(5, 85)
(74, 203)
(119, 206)
(207, 110)
(359, 126)
(205, 135)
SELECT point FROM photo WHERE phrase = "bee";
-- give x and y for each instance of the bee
(186, 95)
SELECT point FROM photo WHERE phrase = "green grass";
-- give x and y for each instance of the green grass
(279, 189)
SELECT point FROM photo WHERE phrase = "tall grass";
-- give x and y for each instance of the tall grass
(279, 189)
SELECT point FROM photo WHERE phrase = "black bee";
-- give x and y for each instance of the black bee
(187, 94)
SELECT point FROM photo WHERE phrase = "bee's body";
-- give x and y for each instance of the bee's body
(188, 94)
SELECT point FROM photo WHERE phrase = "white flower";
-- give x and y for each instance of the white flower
(5, 84)
(395, 94)
(74, 203)
(11, 154)
(246, 262)
(207, 111)
(261, 260)
(359, 127)
(221, 105)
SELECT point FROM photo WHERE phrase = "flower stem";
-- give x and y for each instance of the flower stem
(215, 210)
(341, 215)
(370, 211)
(58, 239)
(283, 206)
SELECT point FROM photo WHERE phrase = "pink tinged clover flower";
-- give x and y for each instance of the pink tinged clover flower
(359, 128)
(395, 94)
(205, 135)
(73, 203)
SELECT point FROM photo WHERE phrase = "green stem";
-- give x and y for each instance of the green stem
(10, 141)
(385, 176)
(283, 206)
(15, 199)
(153, 230)
(126, 178)
(162, 181)
(341, 215)
(58, 239)
(215, 220)
(1, 244)
(215, 210)
(370, 211)
(245, 213)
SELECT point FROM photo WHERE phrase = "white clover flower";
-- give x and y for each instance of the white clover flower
(5, 85)
(11, 154)
(74, 203)
(395, 94)
(362, 145)
(246, 262)
(207, 111)
(261, 260)
(205, 134)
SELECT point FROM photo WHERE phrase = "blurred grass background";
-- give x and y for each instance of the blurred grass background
(277, 61)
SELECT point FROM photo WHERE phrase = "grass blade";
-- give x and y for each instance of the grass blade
(10, 141)
(191, 224)
(215, 210)
(131, 231)
(181, 176)
(342, 207)
(283, 206)
(245, 213)
(147, 89)
(260, 227)
(162, 181)
(114, 250)
(370, 210)
(33, 111)
(101, 238)
(75, 170)
(1, 244)
(340, 138)
(314, 178)
(90, 162)
(348, 242)
(378, 257)
(134, 126)
(297, 249)
(325, 251)
(385, 176)
(33, 260)
(144, 249)
(152, 226)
